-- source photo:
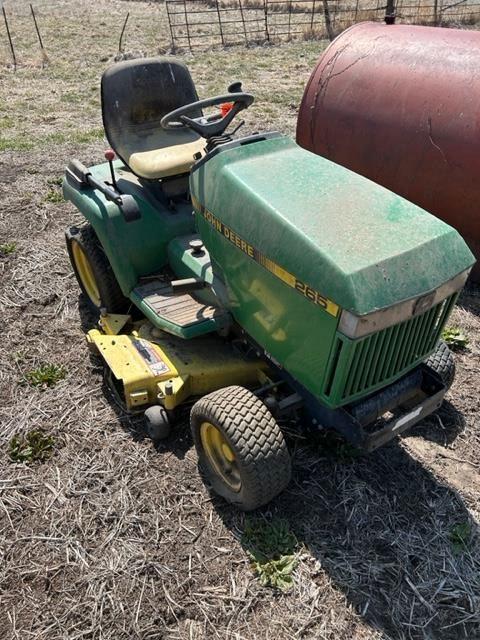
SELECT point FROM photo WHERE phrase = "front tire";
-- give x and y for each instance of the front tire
(93, 271)
(240, 447)
(443, 363)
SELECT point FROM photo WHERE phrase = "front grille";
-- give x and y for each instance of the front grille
(359, 366)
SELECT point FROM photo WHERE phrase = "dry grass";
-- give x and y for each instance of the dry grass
(110, 538)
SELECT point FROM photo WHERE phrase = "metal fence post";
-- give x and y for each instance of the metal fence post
(120, 41)
(170, 26)
(220, 23)
(14, 58)
(243, 20)
(186, 23)
(328, 22)
(356, 10)
(265, 6)
(390, 12)
(313, 16)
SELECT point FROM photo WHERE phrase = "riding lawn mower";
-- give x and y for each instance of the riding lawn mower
(255, 282)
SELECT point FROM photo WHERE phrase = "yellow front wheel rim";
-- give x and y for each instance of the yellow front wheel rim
(220, 455)
(85, 273)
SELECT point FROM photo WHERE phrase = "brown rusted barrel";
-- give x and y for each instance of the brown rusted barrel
(400, 104)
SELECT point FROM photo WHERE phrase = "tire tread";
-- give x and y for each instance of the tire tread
(443, 363)
(259, 444)
(110, 293)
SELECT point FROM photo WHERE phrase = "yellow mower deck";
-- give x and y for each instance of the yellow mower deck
(156, 368)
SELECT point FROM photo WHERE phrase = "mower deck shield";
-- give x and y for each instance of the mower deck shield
(148, 366)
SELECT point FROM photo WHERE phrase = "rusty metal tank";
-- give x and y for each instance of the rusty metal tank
(400, 104)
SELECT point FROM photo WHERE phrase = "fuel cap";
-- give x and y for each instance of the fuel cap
(196, 246)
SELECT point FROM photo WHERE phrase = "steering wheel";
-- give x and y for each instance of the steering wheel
(207, 126)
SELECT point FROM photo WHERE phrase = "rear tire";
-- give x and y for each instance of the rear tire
(240, 447)
(443, 363)
(93, 271)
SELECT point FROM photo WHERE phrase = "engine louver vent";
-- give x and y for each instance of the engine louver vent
(360, 366)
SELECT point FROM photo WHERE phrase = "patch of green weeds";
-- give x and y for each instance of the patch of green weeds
(88, 136)
(56, 182)
(45, 375)
(20, 143)
(54, 196)
(19, 357)
(271, 547)
(455, 338)
(6, 122)
(53, 138)
(7, 249)
(335, 446)
(71, 97)
(34, 446)
(345, 452)
(460, 536)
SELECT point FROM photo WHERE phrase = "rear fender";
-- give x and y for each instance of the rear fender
(106, 219)
(137, 247)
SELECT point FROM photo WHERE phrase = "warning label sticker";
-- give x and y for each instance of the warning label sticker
(147, 352)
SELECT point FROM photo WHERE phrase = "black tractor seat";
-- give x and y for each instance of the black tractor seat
(136, 94)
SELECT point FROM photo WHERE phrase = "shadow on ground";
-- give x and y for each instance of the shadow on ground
(386, 532)
(442, 427)
(470, 298)
(381, 527)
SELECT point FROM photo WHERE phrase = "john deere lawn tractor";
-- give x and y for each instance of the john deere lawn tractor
(255, 282)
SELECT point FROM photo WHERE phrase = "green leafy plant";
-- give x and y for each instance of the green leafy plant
(55, 182)
(88, 136)
(8, 248)
(455, 338)
(54, 196)
(15, 144)
(32, 447)
(45, 375)
(271, 547)
(333, 445)
(460, 536)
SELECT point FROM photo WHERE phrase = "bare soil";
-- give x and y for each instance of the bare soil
(114, 538)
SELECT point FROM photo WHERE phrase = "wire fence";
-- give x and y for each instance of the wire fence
(206, 23)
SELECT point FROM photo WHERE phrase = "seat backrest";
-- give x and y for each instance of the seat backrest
(136, 94)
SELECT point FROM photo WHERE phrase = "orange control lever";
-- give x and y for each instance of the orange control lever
(225, 108)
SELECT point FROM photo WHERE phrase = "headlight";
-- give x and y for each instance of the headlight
(354, 326)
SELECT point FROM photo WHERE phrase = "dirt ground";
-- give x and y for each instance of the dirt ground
(114, 538)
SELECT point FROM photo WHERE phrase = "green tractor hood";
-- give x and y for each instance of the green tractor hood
(353, 241)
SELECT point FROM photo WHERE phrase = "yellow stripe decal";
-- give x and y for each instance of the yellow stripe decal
(311, 294)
